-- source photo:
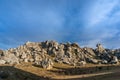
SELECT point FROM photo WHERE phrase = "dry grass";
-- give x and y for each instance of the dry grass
(63, 71)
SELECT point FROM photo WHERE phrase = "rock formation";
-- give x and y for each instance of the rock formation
(46, 53)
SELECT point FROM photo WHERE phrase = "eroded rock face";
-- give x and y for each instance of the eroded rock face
(1, 51)
(91, 60)
(89, 51)
(104, 62)
(66, 53)
(100, 49)
(2, 61)
(46, 63)
(114, 60)
(117, 53)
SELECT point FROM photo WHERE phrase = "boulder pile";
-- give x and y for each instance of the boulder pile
(46, 53)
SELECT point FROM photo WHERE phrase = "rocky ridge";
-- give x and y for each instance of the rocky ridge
(46, 53)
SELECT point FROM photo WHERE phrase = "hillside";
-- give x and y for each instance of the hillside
(51, 59)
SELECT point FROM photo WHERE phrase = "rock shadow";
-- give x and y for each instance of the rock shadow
(12, 73)
(83, 70)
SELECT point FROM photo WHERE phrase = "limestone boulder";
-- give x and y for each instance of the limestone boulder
(2, 62)
(114, 60)
(11, 59)
(47, 63)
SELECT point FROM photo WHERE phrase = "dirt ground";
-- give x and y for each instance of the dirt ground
(27, 71)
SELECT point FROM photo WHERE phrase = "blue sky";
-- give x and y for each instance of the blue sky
(86, 22)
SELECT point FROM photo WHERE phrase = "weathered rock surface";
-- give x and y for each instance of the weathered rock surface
(47, 63)
(46, 53)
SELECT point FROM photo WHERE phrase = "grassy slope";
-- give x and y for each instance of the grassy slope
(62, 71)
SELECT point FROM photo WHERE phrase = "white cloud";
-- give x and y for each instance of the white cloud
(103, 38)
(99, 11)
(101, 22)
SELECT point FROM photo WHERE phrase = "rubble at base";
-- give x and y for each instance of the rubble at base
(46, 53)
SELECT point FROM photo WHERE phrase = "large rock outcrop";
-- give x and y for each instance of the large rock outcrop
(48, 52)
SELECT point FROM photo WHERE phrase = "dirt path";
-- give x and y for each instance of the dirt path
(86, 75)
